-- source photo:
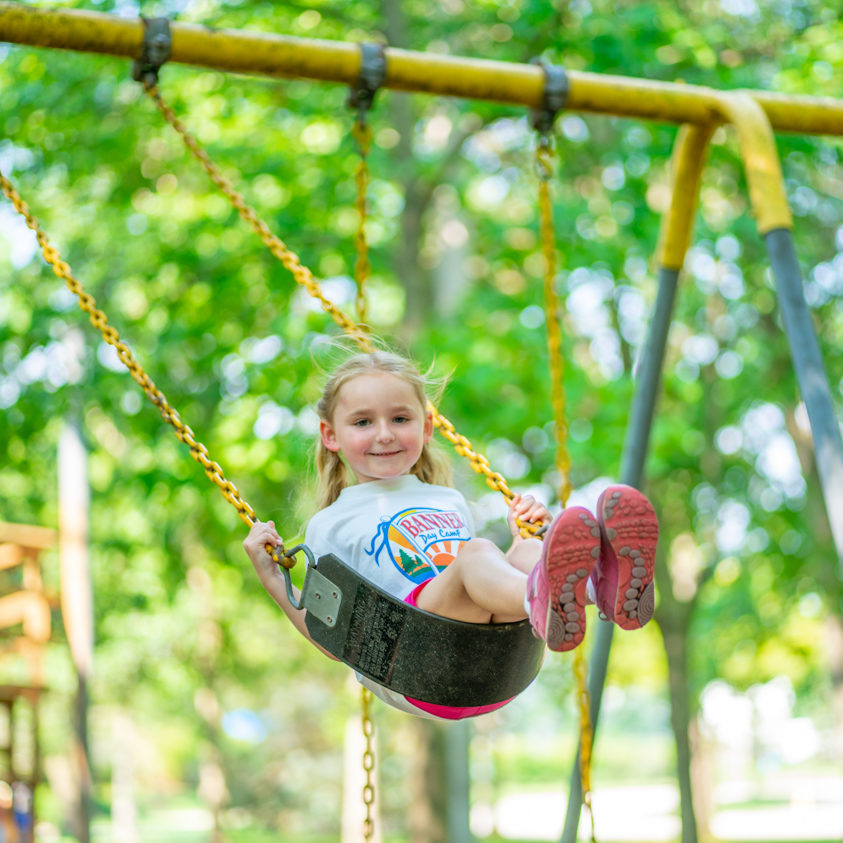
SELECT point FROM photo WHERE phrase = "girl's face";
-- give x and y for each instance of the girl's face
(379, 426)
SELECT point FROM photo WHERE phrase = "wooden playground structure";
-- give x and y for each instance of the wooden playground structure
(25, 621)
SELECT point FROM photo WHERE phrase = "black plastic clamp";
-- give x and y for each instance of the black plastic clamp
(372, 75)
(553, 99)
(155, 50)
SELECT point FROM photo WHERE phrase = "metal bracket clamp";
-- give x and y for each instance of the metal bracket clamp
(372, 75)
(555, 96)
(155, 50)
(321, 597)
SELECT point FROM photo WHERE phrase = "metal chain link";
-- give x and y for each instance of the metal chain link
(586, 734)
(553, 309)
(480, 464)
(368, 763)
(99, 320)
(303, 276)
(362, 267)
(544, 168)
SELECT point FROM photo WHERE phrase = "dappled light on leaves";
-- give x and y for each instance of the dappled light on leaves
(187, 643)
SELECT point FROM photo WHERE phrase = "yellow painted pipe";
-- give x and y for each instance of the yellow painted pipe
(689, 153)
(761, 160)
(335, 61)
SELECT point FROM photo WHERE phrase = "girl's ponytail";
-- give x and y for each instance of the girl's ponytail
(332, 474)
(433, 466)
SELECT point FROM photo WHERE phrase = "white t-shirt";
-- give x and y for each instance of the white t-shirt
(396, 533)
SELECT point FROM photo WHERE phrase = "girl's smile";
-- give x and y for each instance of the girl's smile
(379, 426)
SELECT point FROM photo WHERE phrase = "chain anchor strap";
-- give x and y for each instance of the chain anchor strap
(155, 50)
(361, 97)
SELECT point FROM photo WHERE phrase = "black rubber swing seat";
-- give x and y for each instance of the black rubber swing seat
(410, 651)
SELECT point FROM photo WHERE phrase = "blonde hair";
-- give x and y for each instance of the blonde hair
(332, 472)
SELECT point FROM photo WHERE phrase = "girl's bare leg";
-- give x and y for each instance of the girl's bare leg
(480, 586)
(524, 554)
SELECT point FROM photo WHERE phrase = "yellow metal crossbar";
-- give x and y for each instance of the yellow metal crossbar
(336, 61)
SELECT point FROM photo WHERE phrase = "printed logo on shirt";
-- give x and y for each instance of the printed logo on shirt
(420, 542)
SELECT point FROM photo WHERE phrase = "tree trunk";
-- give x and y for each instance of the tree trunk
(124, 812)
(834, 649)
(418, 298)
(440, 782)
(440, 773)
(428, 805)
(458, 781)
(77, 607)
(675, 634)
(403, 119)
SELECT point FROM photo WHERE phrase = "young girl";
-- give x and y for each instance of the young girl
(386, 510)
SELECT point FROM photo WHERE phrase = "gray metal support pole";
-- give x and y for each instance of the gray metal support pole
(634, 456)
(812, 378)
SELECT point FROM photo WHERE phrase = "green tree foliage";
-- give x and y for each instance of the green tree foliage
(184, 632)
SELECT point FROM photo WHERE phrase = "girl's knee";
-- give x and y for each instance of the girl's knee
(478, 553)
(477, 549)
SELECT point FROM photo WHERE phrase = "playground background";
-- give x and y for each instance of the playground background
(207, 717)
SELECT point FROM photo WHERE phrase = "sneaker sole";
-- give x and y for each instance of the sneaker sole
(631, 532)
(570, 553)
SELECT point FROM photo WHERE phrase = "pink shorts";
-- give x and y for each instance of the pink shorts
(447, 712)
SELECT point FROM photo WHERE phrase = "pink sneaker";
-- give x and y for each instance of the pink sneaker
(623, 576)
(556, 587)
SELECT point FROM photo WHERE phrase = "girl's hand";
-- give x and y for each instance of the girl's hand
(262, 533)
(527, 510)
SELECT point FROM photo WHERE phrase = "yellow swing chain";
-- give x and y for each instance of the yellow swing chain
(361, 97)
(362, 267)
(290, 260)
(368, 762)
(303, 276)
(553, 309)
(99, 320)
